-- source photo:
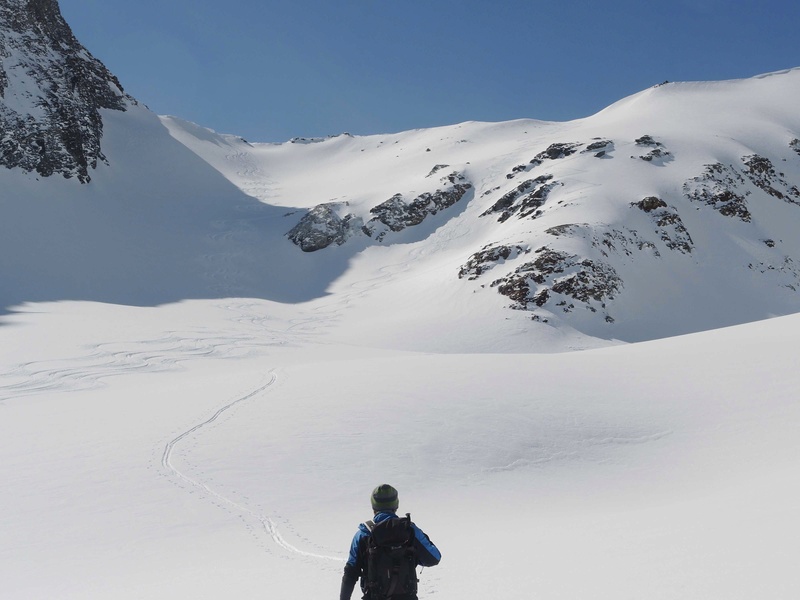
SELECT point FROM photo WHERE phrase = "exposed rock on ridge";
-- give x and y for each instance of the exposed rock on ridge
(324, 224)
(525, 200)
(51, 92)
(396, 214)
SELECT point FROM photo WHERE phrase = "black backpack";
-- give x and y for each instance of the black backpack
(391, 560)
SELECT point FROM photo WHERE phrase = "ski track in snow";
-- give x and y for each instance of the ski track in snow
(267, 523)
(109, 359)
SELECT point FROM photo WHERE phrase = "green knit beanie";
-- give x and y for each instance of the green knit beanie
(384, 498)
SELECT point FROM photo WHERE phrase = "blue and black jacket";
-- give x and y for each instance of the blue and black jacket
(426, 552)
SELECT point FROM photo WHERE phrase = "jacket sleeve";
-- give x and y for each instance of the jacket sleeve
(349, 580)
(353, 568)
(428, 554)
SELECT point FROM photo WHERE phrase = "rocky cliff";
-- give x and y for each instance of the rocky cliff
(51, 93)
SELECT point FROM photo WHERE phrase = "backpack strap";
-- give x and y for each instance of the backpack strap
(370, 525)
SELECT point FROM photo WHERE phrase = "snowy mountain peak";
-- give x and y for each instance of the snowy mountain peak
(51, 92)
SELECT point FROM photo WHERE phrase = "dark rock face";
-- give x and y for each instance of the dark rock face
(647, 140)
(516, 171)
(436, 169)
(395, 214)
(552, 152)
(51, 91)
(719, 187)
(795, 145)
(657, 155)
(555, 151)
(599, 147)
(489, 257)
(524, 200)
(650, 204)
(724, 188)
(555, 273)
(322, 226)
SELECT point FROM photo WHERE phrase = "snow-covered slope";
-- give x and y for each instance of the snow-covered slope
(212, 350)
(210, 449)
(669, 212)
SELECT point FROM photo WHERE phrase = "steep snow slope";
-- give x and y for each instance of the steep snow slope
(155, 225)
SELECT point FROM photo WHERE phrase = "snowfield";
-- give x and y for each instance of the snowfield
(214, 450)
(193, 407)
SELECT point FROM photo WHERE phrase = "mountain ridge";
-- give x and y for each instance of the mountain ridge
(668, 212)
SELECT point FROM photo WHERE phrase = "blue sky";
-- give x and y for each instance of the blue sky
(269, 71)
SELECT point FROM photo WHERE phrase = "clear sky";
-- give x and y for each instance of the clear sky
(271, 70)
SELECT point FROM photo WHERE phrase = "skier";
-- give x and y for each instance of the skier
(386, 551)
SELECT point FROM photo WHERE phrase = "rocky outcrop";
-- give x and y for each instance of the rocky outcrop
(318, 140)
(555, 151)
(552, 152)
(657, 155)
(524, 200)
(669, 225)
(488, 258)
(763, 175)
(322, 226)
(561, 279)
(724, 188)
(599, 147)
(326, 224)
(397, 214)
(720, 187)
(557, 280)
(51, 92)
(647, 140)
(436, 169)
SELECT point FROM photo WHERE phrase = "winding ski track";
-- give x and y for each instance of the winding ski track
(267, 523)
(164, 353)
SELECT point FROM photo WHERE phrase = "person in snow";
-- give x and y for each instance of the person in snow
(386, 551)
